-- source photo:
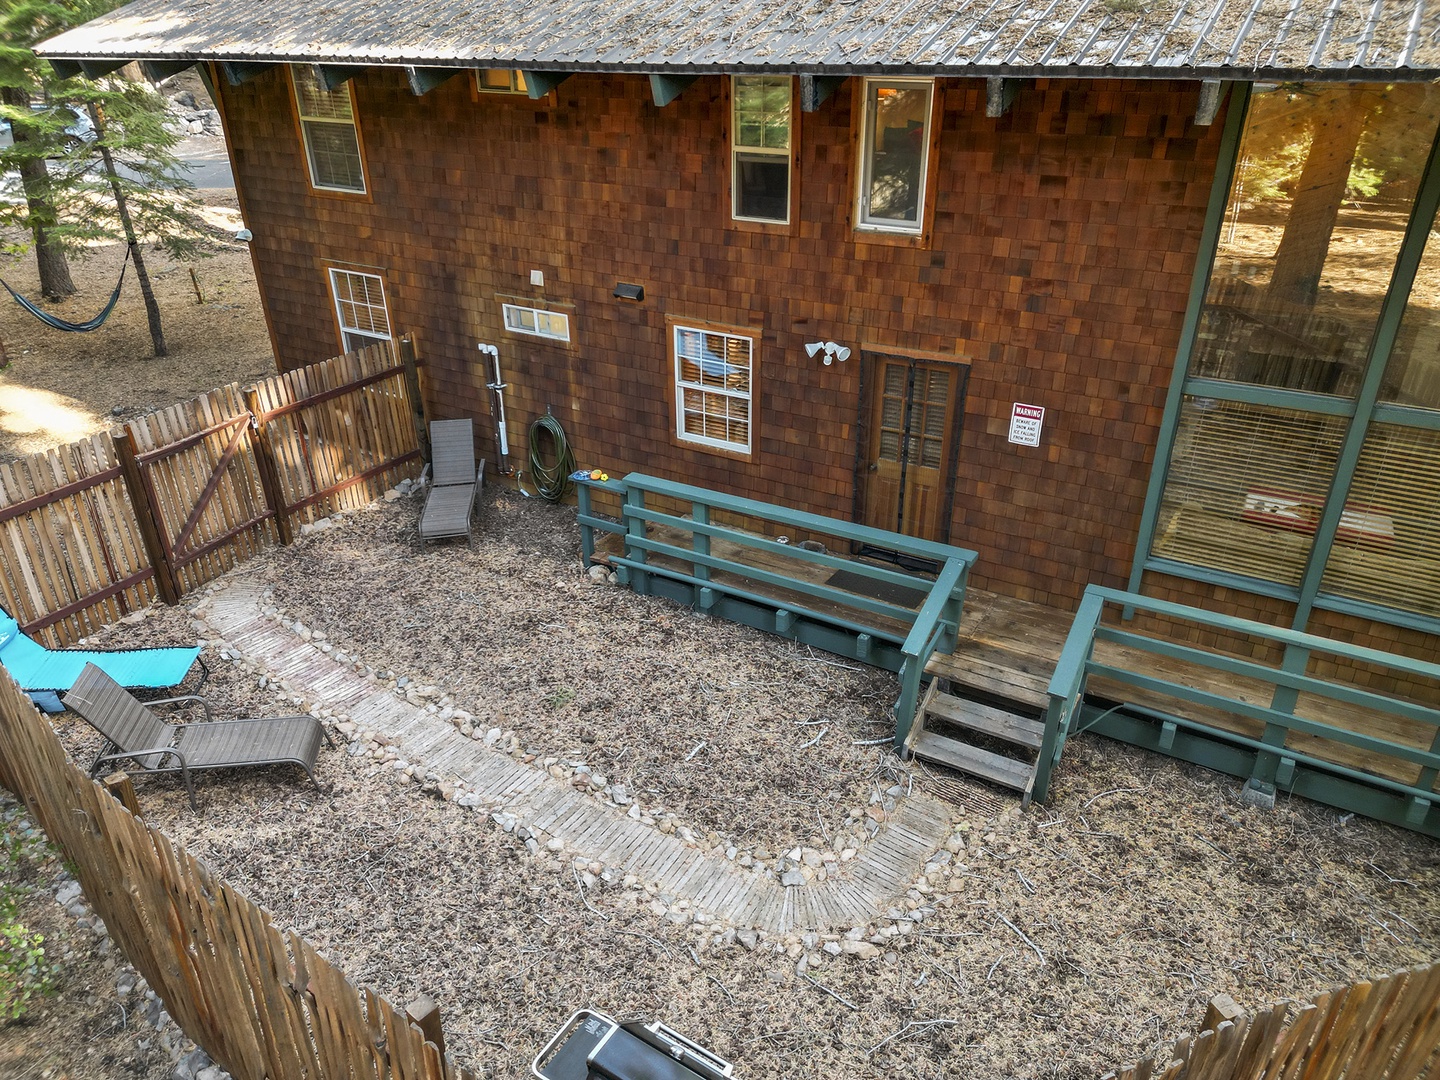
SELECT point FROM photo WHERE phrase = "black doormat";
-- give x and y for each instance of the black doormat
(890, 593)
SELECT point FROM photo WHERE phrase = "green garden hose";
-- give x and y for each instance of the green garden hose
(552, 481)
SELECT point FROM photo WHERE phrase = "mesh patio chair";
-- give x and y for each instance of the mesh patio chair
(45, 673)
(152, 744)
(454, 480)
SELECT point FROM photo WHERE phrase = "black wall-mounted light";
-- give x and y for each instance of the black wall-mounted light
(625, 291)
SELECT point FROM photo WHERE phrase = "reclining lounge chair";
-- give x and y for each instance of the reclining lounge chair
(45, 673)
(151, 744)
(454, 480)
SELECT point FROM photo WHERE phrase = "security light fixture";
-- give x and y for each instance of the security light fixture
(832, 351)
(626, 291)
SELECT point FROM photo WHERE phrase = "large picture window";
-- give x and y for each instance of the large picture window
(760, 148)
(360, 308)
(327, 124)
(1305, 459)
(895, 153)
(713, 393)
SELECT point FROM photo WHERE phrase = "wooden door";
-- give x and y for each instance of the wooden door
(915, 407)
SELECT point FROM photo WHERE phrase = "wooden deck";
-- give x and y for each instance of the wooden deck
(1007, 650)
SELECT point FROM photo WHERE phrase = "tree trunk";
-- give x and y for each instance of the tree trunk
(152, 309)
(1300, 258)
(55, 282)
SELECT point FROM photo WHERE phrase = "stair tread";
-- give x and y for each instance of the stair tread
(971, 759)
(989, 720)
(1003, 678)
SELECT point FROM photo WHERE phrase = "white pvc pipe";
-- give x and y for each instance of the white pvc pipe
(499, 387)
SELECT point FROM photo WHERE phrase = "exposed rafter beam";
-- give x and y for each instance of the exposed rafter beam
(239, 74)
(816, 89)
(334, 76)
(1212, 93)
(1000, 95)
(425, 79)
(540, 83)
(160, 70)
(98, 69)
(666, 88)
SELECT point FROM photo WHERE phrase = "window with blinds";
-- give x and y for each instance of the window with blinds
(327, 122)
(713, 388)
(1245, 488)
(360, 307)
(1387, 549)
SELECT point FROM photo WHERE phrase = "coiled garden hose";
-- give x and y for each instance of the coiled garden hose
(553, 480)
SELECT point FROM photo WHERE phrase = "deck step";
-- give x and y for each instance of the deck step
(996, 674)
(985, 719)
(998, 769)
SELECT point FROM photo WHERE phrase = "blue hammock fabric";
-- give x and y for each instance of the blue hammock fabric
(74, 327)
(43, 673)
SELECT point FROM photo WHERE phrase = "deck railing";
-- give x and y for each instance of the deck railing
(781, 595)
(1285, 751)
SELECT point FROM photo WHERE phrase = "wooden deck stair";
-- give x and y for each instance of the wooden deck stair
(945, 732)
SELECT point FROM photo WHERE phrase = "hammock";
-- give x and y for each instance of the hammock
(73, 327)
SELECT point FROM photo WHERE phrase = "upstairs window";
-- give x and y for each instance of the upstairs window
(760, 148)
(327, 122)
(895, 154)
(501, 81)
(537, 322)
(360, 308)
(712, 388)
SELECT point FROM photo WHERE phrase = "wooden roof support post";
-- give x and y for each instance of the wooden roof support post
(540, 83)
(1212, 92)
(424, 79)
(999, 96)
(666, 88)
(816, 89)
(146, 515)
(239, 74)
(160, 70)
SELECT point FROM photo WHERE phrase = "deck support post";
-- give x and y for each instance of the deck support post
(635, 526)
(700, 541)
(784, 621)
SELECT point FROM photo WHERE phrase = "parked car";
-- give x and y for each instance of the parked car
(78, 130)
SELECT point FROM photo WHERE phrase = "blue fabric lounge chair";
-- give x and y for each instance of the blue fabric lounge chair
(44, 673)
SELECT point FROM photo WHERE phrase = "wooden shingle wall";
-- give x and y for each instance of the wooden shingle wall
(1062, 246)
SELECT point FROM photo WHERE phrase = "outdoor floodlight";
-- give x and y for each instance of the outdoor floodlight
(813, 347)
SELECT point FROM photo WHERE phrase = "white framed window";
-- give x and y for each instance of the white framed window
(713, 388)
(895, 154)
(501, 81)
(360, 308)
(327, 124)
(537, 322)
(760, 148)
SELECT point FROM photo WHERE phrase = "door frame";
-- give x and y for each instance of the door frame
(871, 358)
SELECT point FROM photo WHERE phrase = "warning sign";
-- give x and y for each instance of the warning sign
(1025, 421)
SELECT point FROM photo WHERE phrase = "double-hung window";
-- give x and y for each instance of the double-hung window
(713, 392)
(894, 154)
(360, 308)
(327, 123)
(760, 148)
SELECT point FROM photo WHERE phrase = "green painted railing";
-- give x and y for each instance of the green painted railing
(1270, 761)
(794, 611)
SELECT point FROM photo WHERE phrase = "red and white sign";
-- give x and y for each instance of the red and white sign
(1025, 421)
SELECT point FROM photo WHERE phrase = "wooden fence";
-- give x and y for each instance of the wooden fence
(1388, 1029)
(260, 1000)
(91, 531)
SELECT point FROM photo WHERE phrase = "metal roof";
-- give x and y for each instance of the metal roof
(1358, 40)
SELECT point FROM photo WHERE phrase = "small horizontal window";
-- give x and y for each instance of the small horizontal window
(536, 321)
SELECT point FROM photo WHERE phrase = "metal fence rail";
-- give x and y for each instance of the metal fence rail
(732, 563)
(1290, 727)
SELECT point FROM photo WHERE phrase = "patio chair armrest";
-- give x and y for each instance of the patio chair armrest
(183, 698)
(425, 475)
(480, 476)
(125, 755)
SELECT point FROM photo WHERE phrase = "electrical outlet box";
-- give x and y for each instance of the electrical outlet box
(537, 277)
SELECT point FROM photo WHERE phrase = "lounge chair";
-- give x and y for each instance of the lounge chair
(152, 744)
(45, 673)
(454, 480)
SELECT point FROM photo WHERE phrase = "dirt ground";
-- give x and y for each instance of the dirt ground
(1143, 889)
(56, 387)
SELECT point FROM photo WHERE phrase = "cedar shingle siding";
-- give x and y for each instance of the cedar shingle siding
(1058, 263)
